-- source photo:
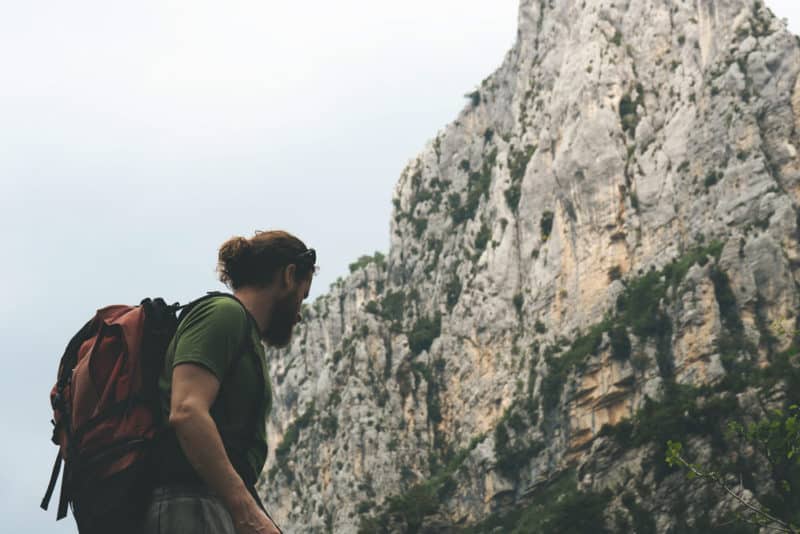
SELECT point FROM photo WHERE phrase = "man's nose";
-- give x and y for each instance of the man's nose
(298, 319)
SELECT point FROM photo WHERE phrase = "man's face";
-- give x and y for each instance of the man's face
(286, 313)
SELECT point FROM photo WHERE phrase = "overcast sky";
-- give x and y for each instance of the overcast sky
(138, 136)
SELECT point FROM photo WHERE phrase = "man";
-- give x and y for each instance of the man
(215, 390)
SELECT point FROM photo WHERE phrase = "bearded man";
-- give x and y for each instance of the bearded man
(215, 390)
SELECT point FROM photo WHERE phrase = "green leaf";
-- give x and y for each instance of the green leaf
(673, 453)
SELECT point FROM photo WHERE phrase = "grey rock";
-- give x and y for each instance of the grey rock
(612, 140)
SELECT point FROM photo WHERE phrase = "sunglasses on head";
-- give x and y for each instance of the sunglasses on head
(308, 259)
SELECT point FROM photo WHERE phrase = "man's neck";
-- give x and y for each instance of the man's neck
(258, 302)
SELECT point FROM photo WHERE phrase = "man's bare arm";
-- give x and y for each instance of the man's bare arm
(194, 389)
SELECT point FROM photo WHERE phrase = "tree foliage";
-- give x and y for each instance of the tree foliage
(777, 438)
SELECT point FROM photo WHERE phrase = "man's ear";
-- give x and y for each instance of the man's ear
(289, 280)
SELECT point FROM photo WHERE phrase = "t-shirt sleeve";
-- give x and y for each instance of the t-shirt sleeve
(211, 335)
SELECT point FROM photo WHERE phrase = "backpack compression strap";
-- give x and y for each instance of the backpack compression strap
(67, 364)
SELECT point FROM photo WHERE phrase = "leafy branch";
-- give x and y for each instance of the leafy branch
(777, 437)
(757, 515)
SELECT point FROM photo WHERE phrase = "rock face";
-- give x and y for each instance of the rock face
(612, 216)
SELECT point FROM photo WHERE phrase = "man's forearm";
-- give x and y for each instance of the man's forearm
(200, 440)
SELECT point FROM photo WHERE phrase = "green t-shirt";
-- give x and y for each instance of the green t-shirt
(214, 334)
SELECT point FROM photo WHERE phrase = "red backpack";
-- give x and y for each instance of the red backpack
(107, 413)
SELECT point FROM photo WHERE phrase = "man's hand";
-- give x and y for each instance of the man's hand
(250, 519)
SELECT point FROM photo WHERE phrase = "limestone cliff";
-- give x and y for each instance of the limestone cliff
(611, 222)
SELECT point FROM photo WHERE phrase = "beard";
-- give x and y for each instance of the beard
(279, 330)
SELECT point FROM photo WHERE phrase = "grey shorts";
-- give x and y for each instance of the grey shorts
(186, 510)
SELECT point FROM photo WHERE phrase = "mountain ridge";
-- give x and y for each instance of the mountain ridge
(611, 219)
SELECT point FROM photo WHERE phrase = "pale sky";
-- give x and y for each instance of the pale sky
(136, 137)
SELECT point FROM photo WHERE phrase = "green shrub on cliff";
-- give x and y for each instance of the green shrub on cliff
(559, 507)
(378, 259)
(423, 333)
